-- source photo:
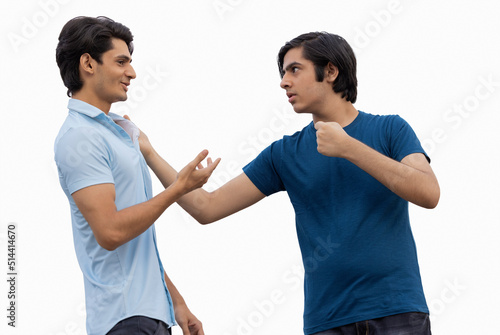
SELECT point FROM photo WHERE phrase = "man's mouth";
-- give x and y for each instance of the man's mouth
(291, 96)
(125, 86)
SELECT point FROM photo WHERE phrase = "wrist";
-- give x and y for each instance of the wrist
(177, 189)
(179, 303)
(349, 148)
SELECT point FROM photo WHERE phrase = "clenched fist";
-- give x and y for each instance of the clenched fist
(331, 138)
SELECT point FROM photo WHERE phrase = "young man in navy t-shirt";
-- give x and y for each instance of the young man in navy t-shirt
(349, 176)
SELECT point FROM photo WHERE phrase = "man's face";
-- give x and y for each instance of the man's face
(113, 76)
(299, 80)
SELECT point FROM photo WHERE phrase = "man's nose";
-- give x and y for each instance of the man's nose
(285, 82)
(130, 72)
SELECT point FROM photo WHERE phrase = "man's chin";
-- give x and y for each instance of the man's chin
(299, 110)
(122, 98)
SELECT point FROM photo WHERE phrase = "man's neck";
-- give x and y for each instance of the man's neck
(337, 110)
(93, 100)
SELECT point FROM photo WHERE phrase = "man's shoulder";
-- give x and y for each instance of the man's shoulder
(76, 129)
(380, 117)
(299, 135)
(294, 144)
(381, 121)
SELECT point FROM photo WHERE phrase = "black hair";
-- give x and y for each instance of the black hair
(322, 48)
(86, 35)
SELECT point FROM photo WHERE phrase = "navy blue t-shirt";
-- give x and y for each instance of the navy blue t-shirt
(354, 233)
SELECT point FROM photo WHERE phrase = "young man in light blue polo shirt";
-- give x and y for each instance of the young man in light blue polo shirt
(107, 182)
(350, 176)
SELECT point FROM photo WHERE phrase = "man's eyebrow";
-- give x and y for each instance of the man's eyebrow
(125, 57)
(289, 66)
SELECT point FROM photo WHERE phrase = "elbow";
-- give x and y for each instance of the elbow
(432, 198)
(204, 220)
(203, 212)
(434, 201)
(110, 241)
(108, 245)
(430, 204)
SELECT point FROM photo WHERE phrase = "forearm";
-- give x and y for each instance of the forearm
(207, 207)
(186, 320)
(409, 182)
(177, 298)
(128, 223)
(196, 203)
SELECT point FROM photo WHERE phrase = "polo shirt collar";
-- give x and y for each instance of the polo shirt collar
(89, 110)
(84, 108)
(95, 113)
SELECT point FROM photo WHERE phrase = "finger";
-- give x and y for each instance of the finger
(209, 161)
(126, 117)
(200, 157)
(196, 328)
(199, 332)
(200, 166)
(214, 164)
(318, 124)
(185, 330)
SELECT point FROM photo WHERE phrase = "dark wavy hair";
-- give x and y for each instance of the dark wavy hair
(322, 48)
(86, 35)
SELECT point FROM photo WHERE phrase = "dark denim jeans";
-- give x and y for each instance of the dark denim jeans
(140, 325)
(400, 324)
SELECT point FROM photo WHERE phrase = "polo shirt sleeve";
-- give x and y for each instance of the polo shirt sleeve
(403, 139)
(263, 171)
(83, 159)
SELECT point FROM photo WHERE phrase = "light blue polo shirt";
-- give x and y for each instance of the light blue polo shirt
(91, 149)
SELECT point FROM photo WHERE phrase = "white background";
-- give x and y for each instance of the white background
(207, 78)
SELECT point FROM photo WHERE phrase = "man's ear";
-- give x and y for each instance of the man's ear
(331, 72)
(87, 63)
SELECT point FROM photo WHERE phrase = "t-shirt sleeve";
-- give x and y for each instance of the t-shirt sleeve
(403, 139)
(263, 171)
(82, 159)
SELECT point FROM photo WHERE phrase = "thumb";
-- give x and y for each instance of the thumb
(185, 330)
(318, 124)
(126, 117)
